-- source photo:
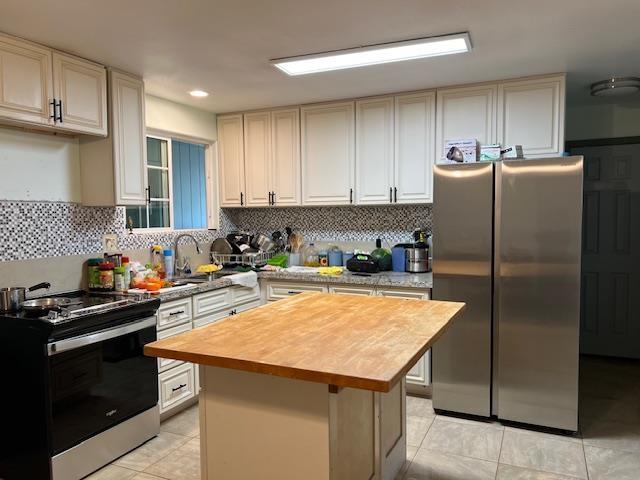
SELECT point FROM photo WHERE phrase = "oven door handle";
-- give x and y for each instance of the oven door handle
(95, 337)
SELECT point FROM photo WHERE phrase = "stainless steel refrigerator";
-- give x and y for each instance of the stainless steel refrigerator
(507, 241)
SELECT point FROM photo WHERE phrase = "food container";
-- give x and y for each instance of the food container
(398, 258)
(106, 276)
(323, 258)
(345, 257)
(119, 283)
(335, 257)
(294, 259)
(93, 273)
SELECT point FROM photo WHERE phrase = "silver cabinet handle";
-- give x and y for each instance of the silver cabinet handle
(77, 342)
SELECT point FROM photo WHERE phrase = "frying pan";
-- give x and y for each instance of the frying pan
(43, 305)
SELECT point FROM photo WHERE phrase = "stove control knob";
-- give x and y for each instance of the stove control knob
(53, 315)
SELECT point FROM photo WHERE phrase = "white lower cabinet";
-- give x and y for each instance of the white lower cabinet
(176, 385)
(278, 291)
(419, 377)
(165, 364)
(352, 290)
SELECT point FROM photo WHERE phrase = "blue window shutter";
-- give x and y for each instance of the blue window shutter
(189, 186)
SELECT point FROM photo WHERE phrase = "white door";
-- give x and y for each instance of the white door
(81, 86)
(374, 151)
(414, 147)
(257, 158)
(285, 156)
(26, 81)
(328, 154)
(129, 139)
(231, 158)
(531, 114)
(466, 112)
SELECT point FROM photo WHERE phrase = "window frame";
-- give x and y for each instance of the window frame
(211, 184)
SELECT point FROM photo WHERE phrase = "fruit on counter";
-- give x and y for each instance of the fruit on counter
(208, 268)
(382, 256)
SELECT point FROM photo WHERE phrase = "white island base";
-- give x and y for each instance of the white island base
(258, 426)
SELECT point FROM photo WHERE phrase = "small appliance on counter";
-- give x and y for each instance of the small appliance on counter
(363, 263)
(416, 259)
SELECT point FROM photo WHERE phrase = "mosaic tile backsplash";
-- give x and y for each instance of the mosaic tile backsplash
(51, 229)
(393, 224)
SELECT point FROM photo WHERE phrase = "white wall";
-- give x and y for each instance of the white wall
(605, 120)
(168, 116)
(37, 166)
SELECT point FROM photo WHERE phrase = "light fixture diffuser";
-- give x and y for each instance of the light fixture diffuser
(616, 86)
(375, 54)
(198, 93)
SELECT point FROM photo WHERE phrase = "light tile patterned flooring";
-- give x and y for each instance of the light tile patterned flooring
(448, 448)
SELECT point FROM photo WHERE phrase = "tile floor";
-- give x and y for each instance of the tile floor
(447, 448)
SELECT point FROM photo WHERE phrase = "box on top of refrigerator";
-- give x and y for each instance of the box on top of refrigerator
(468, 147)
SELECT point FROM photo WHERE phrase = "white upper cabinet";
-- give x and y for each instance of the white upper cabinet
(257, 158)
(114, 169)
(374, 151)
(129, 138)
(466, 112)
(531, 114)
(231, 160)
(328, 153)
(81, 88)
(285, 148)
(414, 147)
(26, 82)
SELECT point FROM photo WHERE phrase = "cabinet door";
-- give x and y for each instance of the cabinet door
(374, 151)
(231, 158)
(26, 86)
(81, 86)
(531, 114)
(257, 158)
(328, 154)
(285, 156)
(129, 142)
(466, 112)
(414, 147)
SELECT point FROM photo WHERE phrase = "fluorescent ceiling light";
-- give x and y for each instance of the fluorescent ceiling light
(375, 54)
(198, 93)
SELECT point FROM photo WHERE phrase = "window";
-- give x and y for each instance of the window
(176, 173)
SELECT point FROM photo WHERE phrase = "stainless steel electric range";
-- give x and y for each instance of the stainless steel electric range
(78, 390)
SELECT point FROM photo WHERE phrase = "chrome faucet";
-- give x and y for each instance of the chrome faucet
(176, 265)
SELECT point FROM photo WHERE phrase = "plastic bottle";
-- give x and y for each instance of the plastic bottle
(311, 258)
(168, 263)
(118, 279)
(126, 264)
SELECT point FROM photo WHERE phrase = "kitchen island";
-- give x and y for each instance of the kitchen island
(309, 387)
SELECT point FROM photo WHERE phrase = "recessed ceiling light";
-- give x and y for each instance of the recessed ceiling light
(616, 86)
(198, 93)
(375, 54)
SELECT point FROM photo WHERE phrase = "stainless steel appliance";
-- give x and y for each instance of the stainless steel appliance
(507, 241)
(84, 393)
(416, 259)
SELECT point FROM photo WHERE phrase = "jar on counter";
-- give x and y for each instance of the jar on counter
(126, 264)
(119, 282)
(93, 273)
(323, 258)
(106, 276)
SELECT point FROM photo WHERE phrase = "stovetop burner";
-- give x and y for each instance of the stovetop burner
(90, 311)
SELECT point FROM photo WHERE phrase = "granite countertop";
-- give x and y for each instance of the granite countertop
(386, 279)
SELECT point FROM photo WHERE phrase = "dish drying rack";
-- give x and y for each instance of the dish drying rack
(253, 259)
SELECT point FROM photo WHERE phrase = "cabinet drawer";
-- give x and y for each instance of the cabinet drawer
(211, 318)
(176, 385)
(174, 313)
(420, 294)
(212, 302)
(278, 291)
(167, 363)
(247, 306)
(348, 290)
(245, 294)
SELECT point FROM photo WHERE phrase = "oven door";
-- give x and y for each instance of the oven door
(99, 380)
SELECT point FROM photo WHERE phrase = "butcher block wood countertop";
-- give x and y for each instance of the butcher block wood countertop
(354, 341)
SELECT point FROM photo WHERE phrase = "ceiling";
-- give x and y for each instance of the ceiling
(224, 46)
